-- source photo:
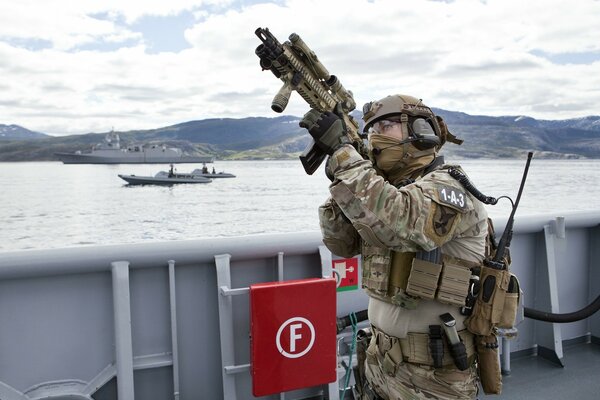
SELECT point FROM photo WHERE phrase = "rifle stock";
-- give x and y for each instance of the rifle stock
(300, 70)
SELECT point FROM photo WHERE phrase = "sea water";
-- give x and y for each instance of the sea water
(51, 205)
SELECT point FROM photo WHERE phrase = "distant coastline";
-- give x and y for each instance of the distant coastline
(280, 138)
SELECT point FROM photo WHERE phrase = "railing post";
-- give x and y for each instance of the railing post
(123, 342)
(550, 335)
(10, 393)
(594, 274)
(333, 389)
(174, 347)
(226, 325)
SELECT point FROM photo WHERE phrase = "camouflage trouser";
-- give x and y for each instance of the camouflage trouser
(415, 382)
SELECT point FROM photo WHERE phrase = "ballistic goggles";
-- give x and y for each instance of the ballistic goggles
(418, 128)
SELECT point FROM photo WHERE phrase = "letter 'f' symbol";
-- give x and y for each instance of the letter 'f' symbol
(295, 326)
(294, 336)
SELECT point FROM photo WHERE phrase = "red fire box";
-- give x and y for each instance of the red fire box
(293, 335)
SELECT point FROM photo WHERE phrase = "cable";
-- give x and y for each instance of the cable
(585, 312)
(462, 178)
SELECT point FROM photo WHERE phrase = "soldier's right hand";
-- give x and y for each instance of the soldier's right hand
(326, 128)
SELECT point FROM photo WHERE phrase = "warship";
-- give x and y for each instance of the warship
(111, 152)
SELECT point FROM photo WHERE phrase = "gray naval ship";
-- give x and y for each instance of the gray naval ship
(111, 152)
(183, 319)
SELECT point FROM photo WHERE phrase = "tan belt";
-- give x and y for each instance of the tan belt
(414, 348)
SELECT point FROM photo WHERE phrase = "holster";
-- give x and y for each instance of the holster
(489, 364)
(362, 343)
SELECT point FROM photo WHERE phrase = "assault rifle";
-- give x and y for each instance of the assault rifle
(299, 68)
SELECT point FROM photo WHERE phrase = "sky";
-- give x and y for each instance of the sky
(71, 67)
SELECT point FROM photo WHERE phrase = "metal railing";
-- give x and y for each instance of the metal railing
(146, 320)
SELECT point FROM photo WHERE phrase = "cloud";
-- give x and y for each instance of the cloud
(75, 67)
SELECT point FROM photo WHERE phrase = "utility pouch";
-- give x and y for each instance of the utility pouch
(489, 364)
(459, 355)
(436, 345)
(398, 280)
(489, 306)
(371, 352)
(363, 338)
(454, 284)
(392, 359)
(423, 279)
(511, 303)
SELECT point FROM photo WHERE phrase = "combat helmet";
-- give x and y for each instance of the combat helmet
(424, 129)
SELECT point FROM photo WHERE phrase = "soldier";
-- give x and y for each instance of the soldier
(419, 232)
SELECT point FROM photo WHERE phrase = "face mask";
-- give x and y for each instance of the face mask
(398, 160)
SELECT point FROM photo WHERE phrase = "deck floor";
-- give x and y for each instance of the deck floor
(535, 378)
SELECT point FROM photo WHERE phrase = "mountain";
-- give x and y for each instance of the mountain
(512, 136)
(281, 137)
(16, 132)
(226, 134)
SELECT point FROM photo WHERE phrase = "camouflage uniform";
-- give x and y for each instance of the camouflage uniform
(368, 215)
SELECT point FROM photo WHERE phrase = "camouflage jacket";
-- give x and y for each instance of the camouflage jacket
(367, 215)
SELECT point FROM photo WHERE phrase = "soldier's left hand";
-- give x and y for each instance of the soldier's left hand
(327, 129)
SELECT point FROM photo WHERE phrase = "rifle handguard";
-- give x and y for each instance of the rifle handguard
(301, 71)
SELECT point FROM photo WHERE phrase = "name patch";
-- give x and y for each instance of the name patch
(452, 197)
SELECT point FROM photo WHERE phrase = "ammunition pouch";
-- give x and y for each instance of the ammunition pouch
(447, 282)
(405, 278)
(454, 284)
(497, 302)
(423, 279)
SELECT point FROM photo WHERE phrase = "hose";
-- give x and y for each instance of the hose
(344, 322)
(566, 317)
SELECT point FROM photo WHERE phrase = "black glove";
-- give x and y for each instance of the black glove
(327, 129)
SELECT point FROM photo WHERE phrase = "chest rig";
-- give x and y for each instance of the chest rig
(403, 278)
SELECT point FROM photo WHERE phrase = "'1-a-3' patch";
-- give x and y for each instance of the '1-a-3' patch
(444, 214)
(452, 196)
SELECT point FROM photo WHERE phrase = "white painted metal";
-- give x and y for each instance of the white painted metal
(10, 393)
(553, 241)
(226, 325)
(594, 279)
(280, 266)
(100, 380)
(123, 343)
(333, 389)
(175, 352)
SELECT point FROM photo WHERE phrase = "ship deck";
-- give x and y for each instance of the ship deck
(533, 377)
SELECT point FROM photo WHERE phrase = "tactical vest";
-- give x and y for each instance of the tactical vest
(404, 278)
